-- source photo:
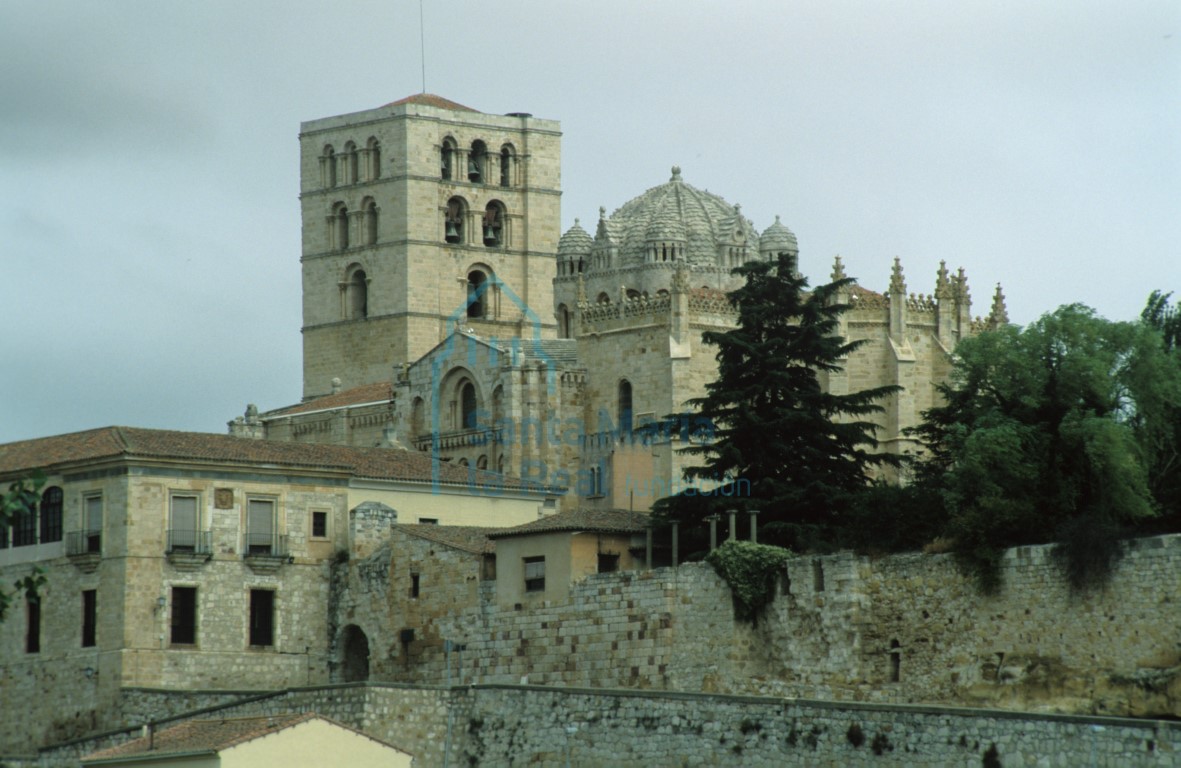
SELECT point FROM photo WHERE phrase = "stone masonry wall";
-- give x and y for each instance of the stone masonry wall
(903, 629)
(518, 725)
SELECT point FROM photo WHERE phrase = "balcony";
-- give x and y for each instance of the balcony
(187, 549)
(266, 552)
(84, 548)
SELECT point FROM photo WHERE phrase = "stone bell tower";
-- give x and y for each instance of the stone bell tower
(418, 217)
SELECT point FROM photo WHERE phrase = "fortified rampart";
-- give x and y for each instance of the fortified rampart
(902, 629)
(519, 725)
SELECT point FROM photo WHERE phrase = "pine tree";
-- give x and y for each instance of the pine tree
(802, 451)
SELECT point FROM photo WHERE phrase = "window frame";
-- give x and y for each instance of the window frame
(172, 546)
(89, 618)
(535, 575)
(326, 518)
(261, 618)
(52, 513)
(190, 605)
(272, 546)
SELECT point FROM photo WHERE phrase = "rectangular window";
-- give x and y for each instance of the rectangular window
(260, 527)
(24, 528)
(3, 537)
(319, 525)
(92, 509)
(89, 617)
(51, 514)
(33, 630)
(608, 563)
(535, 574)
(184, 616)
(183, 523)
(414, 585)
(262, 617)
(428, 521)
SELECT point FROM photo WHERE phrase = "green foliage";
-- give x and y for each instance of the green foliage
(788, 447)
(1046, 432)
(752, 571)
(21, 499)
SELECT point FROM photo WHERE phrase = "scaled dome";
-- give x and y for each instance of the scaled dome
(576, 242)
(677, 211)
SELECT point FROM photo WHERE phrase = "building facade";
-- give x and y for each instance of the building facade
(443, 310)
(182, 561)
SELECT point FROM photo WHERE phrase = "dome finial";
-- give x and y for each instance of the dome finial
(676, 173)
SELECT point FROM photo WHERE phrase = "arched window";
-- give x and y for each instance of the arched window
(507, 159)
(357, 295)
(462, 462)
(467, 405)
(369, 208)
(563, 322)
(447, 163)
(477, 294)
(494, 224)
(603, 298)
(374, 156)
(328, 166)
(418, 417)
(51, 514)
(477, 162)
(453, 220)
(500, 464)
(340, 226)
(498, 406)
(632, 293)
(349, 158)
(482, 462)
(625, 408)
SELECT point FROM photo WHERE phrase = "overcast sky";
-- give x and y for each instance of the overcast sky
(149, 221)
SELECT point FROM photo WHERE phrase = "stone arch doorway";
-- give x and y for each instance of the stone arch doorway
(355, 668)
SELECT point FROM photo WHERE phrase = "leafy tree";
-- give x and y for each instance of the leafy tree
(1161, 431)
(21, 499)
(802, 451)
(1042, 437)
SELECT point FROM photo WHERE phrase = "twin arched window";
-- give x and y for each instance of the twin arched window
(345, 167)
(477, 168)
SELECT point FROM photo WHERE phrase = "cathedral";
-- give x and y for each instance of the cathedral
(445, 312)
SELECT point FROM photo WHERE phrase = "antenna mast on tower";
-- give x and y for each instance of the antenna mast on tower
(422, 44)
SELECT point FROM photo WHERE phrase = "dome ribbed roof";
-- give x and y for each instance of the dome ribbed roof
(676, 211)
(777, 237)
(576, 241)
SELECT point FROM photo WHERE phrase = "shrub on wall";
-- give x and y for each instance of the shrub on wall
(751, 570)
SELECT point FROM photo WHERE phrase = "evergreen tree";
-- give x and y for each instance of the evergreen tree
(801, 451)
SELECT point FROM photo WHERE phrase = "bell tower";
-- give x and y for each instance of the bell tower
(418, 217)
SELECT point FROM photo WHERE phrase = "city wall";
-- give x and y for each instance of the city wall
(517, 725)
(903, 629)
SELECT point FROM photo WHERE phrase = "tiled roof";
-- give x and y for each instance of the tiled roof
(202, 736)
(379, 392)
(463, 537)
(604, 521)
(213, 736)
(137, 443)
(431, 100)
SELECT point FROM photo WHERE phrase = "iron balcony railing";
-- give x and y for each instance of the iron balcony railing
(84, 542)
(266, 545)
(184, 540)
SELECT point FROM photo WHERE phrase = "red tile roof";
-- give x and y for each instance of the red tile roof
(603, 521)
(380, 392)
(431, 100)
(462, 537)
(134, 443)
(211, 736)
